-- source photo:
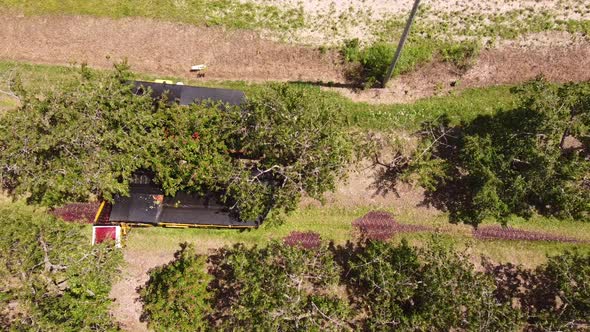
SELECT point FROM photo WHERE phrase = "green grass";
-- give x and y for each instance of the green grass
(462, 106)
(227, 13)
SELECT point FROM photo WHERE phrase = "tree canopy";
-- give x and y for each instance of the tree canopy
(51, 278)
(85, 140)
(527, 160)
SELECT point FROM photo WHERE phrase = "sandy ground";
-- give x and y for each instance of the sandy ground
(382, 7)
(332, 21)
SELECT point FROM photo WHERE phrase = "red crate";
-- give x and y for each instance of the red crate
(101, 234)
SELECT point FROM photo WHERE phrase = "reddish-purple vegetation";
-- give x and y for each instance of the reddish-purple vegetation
(378, 225)
(307, 240)
(81, 212)
(508, 233)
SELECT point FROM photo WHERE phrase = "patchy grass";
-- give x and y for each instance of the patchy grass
(7, 103)
(227, 13)
(463, 106)
(334, 224)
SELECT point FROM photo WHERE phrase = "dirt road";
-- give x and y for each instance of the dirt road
(170, 49)
(161, 48)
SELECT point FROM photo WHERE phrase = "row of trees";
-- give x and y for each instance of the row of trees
(374, 285)
(85, 140)
(51, 278)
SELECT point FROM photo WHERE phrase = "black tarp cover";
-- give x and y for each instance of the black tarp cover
(186, 94)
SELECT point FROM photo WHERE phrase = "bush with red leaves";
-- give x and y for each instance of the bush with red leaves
(379, 225)
(307, 240)
(80, 212)
(509, 233)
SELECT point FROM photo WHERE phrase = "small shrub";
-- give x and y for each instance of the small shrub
(176, 297)
(350, 51)
(461, 55)
(378, 225)
(307, 240)
(368, 66)
(375, 61)
(416, 52)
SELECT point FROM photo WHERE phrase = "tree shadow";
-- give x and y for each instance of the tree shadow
(450, 190)
(352, 86)
(531, 291)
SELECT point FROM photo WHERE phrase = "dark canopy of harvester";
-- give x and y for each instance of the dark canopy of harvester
(146, 203)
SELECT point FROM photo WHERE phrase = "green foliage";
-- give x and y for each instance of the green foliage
(369, 65)
(51, 275)
(278, 288)
(198, 12)
(434, 288)
(527, 160)
(375, 60)
(351, 50)
(553, 297)
(176, 295)
(416, 52)
(566, 287)
(296, 137)
(374, 286)
(83, 140)
(462, 55)
(582, 27)
(88, 138)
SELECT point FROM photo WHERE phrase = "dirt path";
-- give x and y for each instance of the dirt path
(127, 309)
(170, 49)
(161, 48)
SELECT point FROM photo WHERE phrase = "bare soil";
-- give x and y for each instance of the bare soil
(127, 307)
(170, 49)
(511, 63)
(161, 48)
